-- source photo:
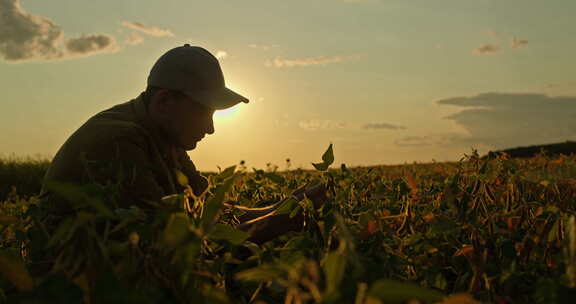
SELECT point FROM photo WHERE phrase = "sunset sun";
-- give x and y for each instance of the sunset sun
(227, 114)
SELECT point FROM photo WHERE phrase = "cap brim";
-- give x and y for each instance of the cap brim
(218, 99)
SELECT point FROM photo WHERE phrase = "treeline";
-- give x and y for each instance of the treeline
(566, 148)
(21, 176)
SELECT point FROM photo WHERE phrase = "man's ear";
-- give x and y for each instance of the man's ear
(161, 101)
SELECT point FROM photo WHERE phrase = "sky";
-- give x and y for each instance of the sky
(384, 81)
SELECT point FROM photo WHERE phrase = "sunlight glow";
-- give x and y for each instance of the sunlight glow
(226, 114)
(232, 113)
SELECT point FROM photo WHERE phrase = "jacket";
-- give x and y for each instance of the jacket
(122, 146)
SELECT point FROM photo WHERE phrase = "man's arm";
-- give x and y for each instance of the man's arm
(264, 224)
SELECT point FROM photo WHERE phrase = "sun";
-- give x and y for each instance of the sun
(226, 114)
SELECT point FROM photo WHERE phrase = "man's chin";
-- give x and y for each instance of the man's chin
(190, 146)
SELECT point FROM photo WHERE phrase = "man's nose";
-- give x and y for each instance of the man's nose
(210, 127)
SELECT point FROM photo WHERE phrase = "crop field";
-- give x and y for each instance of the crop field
(473, 231)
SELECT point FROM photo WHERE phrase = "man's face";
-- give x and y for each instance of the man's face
(186, 121)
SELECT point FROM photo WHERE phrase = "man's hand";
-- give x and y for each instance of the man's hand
(315, 192)
(264, 224)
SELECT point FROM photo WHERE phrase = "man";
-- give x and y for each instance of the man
(141, 145)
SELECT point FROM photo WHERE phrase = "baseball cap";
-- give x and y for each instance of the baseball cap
(195, 72)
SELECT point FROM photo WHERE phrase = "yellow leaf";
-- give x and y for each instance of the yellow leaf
(411, 182)
(182, 179)
(429, 217)
(466, 251)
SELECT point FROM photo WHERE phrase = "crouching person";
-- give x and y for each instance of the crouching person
(137, 151)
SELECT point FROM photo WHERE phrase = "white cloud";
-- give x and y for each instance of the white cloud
(315, 124)
(25, 37)
(280, 62)
(147, 29)
(428, 140)
(492, 34)
(327, 124)
(382, 126)
(263, 47)
(134, 39)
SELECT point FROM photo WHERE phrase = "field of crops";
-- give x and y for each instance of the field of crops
(473, 231)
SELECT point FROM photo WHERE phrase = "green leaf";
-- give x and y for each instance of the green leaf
(176, 230)
(275, 178)
(228, 233)
(334, 266)
(228, 172)
(287, 206)
(63, 232)
(181, 178)
(265, 272)
(327, 160)
(299, 243)
(295, 211)
(392, 292)
(192, 251)
(215, 204)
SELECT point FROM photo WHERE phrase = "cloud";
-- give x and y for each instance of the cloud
(382, 125)
(429, 140)
(327, 124)
(221, 54)
(263, 47)
(518, 43)
(492, 34)
(134, 39)
(25, 37)
(148, 30)
(560, 85)
(280, 62)
(90, 44)
(486, 49)
(504, 120)
(315, 124)
(361, 1)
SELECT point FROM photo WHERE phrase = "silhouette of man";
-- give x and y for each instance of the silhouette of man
(141, 145)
